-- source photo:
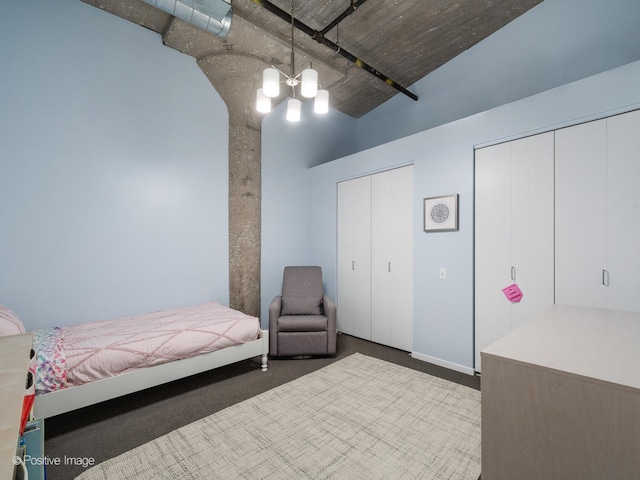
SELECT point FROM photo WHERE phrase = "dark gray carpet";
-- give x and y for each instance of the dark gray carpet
(103, 431)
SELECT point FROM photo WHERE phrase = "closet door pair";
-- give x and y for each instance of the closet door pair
(598, 213)
(375, 257)
(514, 221)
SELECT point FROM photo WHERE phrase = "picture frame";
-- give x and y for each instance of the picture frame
(441, 213)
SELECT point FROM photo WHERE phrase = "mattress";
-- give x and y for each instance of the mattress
(70, 356)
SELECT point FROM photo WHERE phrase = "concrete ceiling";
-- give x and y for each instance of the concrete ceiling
(402, 40)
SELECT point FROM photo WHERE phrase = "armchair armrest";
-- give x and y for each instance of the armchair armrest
(329, 309)
(274, 308)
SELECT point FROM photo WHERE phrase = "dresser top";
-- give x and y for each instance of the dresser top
(592, 343)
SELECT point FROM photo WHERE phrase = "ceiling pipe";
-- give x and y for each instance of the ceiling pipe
(320, 38)
(213, 16)
(352, 8)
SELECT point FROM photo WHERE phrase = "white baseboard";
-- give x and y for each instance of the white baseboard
(443, 363)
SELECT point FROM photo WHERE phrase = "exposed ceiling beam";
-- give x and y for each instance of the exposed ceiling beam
(320, 38)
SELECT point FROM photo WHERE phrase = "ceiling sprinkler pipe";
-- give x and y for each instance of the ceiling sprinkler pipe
(350, 9)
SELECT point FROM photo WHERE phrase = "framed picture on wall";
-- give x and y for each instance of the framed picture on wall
(441, 213)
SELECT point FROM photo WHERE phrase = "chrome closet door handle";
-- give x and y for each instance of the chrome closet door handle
(389, 266)
(513, 273)
(353, 264)
(605, 277)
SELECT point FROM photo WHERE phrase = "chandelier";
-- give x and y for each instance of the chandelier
(307, 80)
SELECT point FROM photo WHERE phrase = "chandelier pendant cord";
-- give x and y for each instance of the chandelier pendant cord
(293, 59)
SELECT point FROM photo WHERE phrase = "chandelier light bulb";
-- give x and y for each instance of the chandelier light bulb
(321, 102)
(271, 82)
(294, 107)
(309, 83)
(263, 103)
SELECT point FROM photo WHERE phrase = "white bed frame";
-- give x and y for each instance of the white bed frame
(72, 398)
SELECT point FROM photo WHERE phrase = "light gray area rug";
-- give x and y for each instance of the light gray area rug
(358, 418)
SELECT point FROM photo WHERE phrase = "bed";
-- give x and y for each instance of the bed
(89, 363)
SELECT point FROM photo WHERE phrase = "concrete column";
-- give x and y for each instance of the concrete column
(233, 75)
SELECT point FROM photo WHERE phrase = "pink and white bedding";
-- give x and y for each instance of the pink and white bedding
(70, 356)
(51, 365)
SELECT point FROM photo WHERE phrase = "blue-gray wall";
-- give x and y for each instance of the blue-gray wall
(555, 43)
(443, 164)
(113, 169)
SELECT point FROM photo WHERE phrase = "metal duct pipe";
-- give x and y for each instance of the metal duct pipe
(214, 16)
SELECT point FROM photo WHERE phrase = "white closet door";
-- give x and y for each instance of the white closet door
(581, 214)
(532, 222)
(354, 257)
(392, 258)
(623, 211)
(492, 245)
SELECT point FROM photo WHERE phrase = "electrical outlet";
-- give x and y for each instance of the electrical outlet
(443, 273)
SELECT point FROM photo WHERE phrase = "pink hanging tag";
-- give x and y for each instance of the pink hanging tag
(513, 293)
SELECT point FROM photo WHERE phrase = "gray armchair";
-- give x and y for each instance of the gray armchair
(302, 321)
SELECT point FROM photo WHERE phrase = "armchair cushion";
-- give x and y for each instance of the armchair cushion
(302, 291)
(302, 323)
